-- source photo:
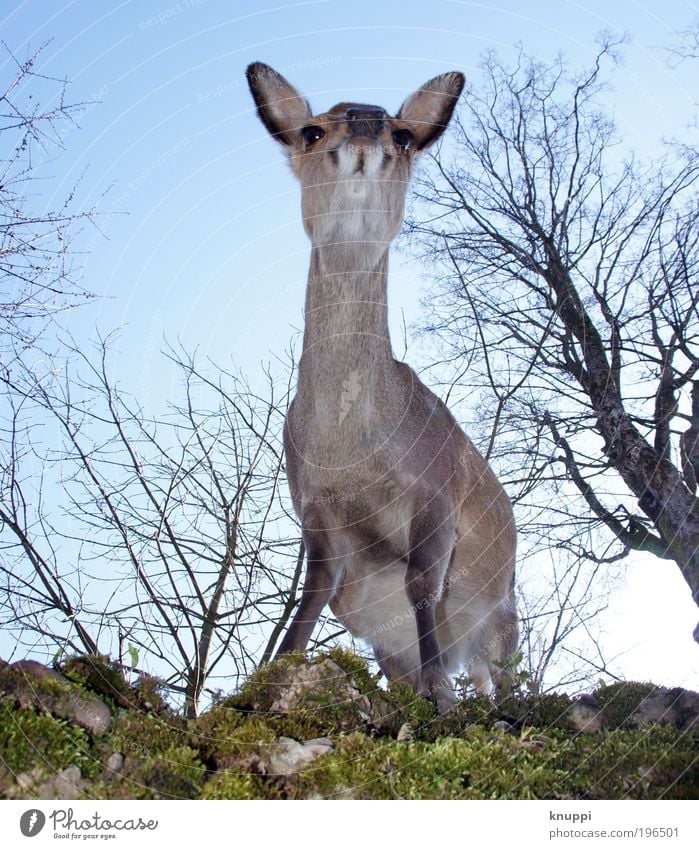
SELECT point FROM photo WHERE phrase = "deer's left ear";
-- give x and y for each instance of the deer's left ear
(429, 109)
(281, 108)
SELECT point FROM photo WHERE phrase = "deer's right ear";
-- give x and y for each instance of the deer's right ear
(281, 108)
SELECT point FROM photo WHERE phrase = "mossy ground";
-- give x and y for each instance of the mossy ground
(106, 679)
(622, 699)
(464, 755)
(496, 765)
(29, 740)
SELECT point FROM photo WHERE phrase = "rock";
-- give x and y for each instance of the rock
(115, 762)
(87, 711)
(503, 725)
(316, 687)
(688, 711)
(25, 780)
(320, 744)
(287, 756)
(323, 678)
(405, 733)
(668, 706)
(31, 685)
(67, 784)
(37, 670)
(586, 715)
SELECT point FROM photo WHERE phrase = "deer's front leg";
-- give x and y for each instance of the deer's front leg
(323, 573)
(432, 538)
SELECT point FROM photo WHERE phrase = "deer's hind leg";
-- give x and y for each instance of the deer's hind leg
(432, 540)
(504, 641)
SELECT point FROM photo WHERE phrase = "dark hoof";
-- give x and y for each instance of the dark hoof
(442, 694)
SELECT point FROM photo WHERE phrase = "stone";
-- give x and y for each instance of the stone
(61, 698)
(115, 762)
(87, 711)
(320, 685)
(668, 706)
(405, 733)
(25, 780)
(37, 670)
(287, 756)
(585, 715)
(68, 784)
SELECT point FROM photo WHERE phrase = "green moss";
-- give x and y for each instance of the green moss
(142, 734)
(478, 710)
(356, 668)
(29, 739)
(211, 731)
(413, 708)
(175, 773)
(262, 687)
(102, 676)
(621, 700)
(223, 753)
(539, 711)
(321, 715)
(308, 722)
(343, 773)
(481, 765)
(21, 687)
(496, 765)
(229, 784)
(223, 747)
(651, 763)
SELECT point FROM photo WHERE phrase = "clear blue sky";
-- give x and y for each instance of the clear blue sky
(212, 250)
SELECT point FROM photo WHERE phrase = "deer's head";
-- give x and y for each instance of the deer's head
(354, 162)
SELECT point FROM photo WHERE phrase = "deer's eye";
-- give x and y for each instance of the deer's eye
(403, 138)
(312, 134)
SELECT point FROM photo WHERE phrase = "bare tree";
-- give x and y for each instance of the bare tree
(686, 45)
(569, 309)
(39, 275)
(169, 535)
(163, 537)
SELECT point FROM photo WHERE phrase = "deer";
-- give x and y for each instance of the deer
(409, 536)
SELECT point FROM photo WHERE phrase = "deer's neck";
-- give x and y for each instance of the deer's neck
(346, 319)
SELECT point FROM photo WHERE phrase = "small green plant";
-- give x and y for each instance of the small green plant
(133, 655)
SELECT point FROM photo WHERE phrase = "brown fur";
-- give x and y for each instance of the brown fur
(410, 536)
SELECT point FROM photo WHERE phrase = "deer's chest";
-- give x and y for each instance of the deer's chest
(344, 427)
(357, 483)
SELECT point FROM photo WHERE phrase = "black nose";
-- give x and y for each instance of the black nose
(365, 120)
